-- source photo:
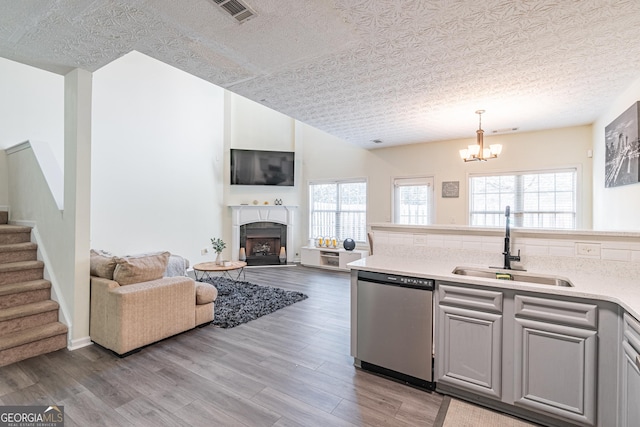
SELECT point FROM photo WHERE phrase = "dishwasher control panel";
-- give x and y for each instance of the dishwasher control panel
(394, 279)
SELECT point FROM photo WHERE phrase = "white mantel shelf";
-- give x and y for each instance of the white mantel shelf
(246, 214)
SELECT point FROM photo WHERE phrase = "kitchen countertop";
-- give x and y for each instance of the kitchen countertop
(623, 291)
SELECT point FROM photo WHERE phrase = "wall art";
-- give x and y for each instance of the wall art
(450, 189)
(621, 149)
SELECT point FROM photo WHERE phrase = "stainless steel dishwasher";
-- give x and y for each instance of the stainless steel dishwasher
(395, 326)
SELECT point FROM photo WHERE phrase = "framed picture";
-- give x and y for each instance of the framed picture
(621, 149)
(450, 189)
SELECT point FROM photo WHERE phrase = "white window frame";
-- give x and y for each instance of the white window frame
(338, 182)
(397, 182)
(515, 220)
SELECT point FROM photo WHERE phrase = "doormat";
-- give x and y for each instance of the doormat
(457, 413)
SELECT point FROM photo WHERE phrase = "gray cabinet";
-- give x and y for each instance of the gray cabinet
(535, 355)
(555, 357)
(469, 342)
(629, 412)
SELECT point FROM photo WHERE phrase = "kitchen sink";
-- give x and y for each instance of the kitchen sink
(515, 275)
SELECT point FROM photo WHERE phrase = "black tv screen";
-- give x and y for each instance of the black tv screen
(257, 167)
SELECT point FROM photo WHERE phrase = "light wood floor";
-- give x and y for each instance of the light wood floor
(290, 368)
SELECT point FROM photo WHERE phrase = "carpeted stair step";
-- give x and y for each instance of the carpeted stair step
(32, 342)
(22, 293)
(15, 252)
(22, 271)
(14, 234)
(19, 318)
(4, 217)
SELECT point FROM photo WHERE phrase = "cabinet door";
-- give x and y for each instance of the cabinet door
(630, 374)
(469, 350)
(310, 257)
(555, 370)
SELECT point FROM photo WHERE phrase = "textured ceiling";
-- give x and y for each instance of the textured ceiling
(400, 71)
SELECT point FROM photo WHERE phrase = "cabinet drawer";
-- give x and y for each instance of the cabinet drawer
(479, 299)
(569, 313)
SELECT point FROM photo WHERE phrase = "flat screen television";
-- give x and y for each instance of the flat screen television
(258, 167)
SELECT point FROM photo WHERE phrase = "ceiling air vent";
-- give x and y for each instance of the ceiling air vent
(505, 130)
(236, 8)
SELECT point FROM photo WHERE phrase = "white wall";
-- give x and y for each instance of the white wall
(157, 159)
(554, 148)
(31, 107)
(328, 157)
(252, 126)
(616, 208)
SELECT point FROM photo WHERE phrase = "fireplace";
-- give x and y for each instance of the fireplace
(265, 241)
(262, 242)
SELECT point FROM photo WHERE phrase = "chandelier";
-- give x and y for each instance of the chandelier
(477, 152)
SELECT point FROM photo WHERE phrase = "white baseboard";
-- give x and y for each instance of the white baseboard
(79, 343)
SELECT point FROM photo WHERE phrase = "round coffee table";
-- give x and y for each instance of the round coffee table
(206, 268)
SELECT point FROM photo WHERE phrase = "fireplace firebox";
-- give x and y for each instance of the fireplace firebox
(262, 242)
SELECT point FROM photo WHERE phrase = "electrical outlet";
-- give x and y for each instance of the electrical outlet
(204, 251)
(588, 249)
(419, 240)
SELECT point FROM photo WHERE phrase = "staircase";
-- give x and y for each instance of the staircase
(28, 317)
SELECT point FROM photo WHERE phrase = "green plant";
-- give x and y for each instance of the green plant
(218, 245)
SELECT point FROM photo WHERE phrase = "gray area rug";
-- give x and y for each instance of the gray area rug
(240, 302)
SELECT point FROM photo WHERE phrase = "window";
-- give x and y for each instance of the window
(338, 209)
(413, 201)
(537, 199)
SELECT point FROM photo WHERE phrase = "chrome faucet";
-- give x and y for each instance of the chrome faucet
(507, 246)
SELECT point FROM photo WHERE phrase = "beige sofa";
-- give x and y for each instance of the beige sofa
(132, 305)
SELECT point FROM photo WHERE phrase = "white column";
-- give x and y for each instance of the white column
(77, 192)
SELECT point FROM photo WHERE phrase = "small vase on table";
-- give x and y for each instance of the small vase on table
(218, 258)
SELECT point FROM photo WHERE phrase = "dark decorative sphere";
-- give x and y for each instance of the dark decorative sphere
(349, 244)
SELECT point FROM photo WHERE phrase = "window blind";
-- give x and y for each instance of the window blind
(542, 199)
(338, 209)
(413, 201)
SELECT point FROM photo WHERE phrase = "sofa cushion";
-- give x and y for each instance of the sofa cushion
(205, 293)
(141, 268)
(102, 265)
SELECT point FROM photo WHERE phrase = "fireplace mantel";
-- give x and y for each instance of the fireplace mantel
(246, 214)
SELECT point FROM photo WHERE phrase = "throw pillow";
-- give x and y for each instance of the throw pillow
(101, 265)
(143, 268)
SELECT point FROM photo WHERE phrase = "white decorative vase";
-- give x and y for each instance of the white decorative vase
(218, 258)
(283, 255)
